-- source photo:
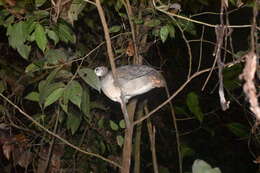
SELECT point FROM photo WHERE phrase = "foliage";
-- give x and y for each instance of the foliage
(49, 51)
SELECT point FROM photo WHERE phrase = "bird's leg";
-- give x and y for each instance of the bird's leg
(125, 113)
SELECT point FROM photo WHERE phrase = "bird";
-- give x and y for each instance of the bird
(132, 80)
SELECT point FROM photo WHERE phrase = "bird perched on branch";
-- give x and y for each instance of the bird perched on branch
(132, 80)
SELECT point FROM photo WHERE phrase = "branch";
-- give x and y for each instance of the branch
(57, 136)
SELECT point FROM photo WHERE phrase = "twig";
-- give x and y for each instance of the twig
(201, 46)
(151, 132)
(196, 21)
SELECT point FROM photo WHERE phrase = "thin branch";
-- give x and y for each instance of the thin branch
(181, 88)
(196, 21)
(56, 135)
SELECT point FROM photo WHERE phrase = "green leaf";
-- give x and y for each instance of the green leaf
(33, 96)
(192, 102)
(24, 50)
(164, 32)
(163, 169)
(180, 110)
(9, 21)
(200, 166)
(89, 76)
(114, 29)
(2, 86)
(56, 56)
(53, 97)
(39, 3)
(73, 121)
(75, 9)
(17, 35)
(187, 26)
(44, 85)
(152, 23)
(85, 102)
(113, 125)
(74, 93)
(122, 124)
(101, 123)
(32, 68)
(238, 129)
(120, 140)
(65, 33)
(29, 27)
(231, 77)
(48, 89)
(40, 37)
(171, 31)
(186, 151)
(53, 36)
(64, 102)
(40, 14)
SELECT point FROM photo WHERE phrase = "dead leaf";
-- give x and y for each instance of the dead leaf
(7, 150)
(130, 49)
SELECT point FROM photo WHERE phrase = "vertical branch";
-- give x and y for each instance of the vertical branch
(176, 129)
(132, 26)
(137, 142)
(107, 37)
(127, 150)
(151, 131)
(220, 34)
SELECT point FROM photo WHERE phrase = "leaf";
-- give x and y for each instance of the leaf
(16, 34)
(114, 29)
(89, 76)
(65, 33)
(43, 86)
(32, 68)
(113, 125)
(186, 151)
(101, 123)
(152, 23)
(24, 50)
(171, 31)
(73, 121)
(40, 14)
(120, 140)
(231, 77)
(29, 27)
(75, 8)
(53, 97)
(39, 3)
(53, 36)
(56, 56)
(180, 110)
(74, 93)
(33, 96)
(164, 32)
(122, 124)
(163, 169)
(200, 166)
(187, 26)
(238, 129)
(85, 102)
(40, 37)
(48, 89)
(192, 102)
(2, 86)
